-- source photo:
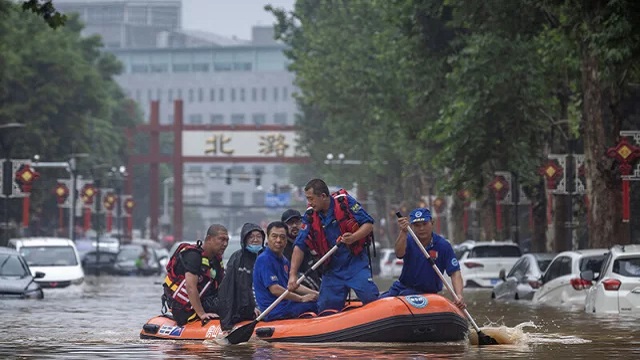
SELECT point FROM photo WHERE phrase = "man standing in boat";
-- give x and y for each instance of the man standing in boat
(270, 278)
(194, 274)
(293, 219)
(332, 219)
(417, 276)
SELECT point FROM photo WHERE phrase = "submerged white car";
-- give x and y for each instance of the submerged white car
(481, 262)
(617, 287)
(561, 282)
(58, 258)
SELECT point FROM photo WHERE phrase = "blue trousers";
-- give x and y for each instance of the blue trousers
(398, 289)
(290, 309)
(334, 290)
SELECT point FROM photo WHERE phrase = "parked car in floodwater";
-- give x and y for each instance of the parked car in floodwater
(16, 281)
(95, 263)
(523, 279)
(617, 287)
(58, 258)
(561, 283)
(481, 262)
(131, 260)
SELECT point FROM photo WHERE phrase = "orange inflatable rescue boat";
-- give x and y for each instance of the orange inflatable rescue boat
(412, 318)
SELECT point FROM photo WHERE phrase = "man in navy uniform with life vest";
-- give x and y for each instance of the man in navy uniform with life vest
(332, 219)
(194, 274)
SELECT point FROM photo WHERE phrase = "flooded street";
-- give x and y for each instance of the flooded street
(103, 317)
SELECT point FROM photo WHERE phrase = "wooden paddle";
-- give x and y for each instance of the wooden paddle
(243, 333)
(483, 339)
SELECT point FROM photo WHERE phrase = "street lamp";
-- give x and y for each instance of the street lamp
(6, 142)
(117, 176)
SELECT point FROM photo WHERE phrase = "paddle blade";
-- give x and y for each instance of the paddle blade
(484, 339)
(239, 335)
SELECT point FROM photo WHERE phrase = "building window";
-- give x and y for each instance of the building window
(233, 95)
(170, 94)
(170, 118)
(237, 119)
(242, 97)
(195, 119)
(237, 198)
(280, 170)
(257, 198)
(221, 95)
(264, 94)
(275, 94)
(215, 198)
(216, 171)
(193, 168)
(149, 95)
(216, 119)
(158, 94)
(190, 95)
(200, 95)
(280, 118)
(138, 95)
(254, 94)
(212, 95)
(136, 69)
(180, 94)
(222, 66)
(200, 67)
(259, 119)
(242, 66)
(180, 68)
(159, 68)
(285, 93)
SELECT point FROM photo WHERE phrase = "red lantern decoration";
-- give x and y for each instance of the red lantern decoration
(62, 192)
(625, 153)
(551, 172)
(25, 176)
(88, 193)
(129, 204)
(109, 201)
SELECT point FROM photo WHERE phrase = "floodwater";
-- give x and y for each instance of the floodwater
(102, 318)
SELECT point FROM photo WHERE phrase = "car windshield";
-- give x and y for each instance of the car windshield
(49, 255)
(105, 258)
(544, 264)
(593, 263)
(495, 251)
(11, 266)
(627, 267)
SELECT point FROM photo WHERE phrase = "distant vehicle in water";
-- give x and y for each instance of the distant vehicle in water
(523, 279)
(481, 262)
(16, 281)
(58, 258)
(131, 261)
(96, 263)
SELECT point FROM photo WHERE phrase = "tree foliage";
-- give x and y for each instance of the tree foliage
(453, 90)
(60, 85)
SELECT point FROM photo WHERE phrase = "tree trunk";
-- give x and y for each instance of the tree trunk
(605, 212)
(538, 236)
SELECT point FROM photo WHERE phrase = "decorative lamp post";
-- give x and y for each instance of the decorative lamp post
(551, 172)
(625, 153)
(109, 204)
(62, 193)
(87, 194)
(500, 187)
(25, 176)
(129, 204)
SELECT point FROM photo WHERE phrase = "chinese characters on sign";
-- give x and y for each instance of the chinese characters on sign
(216, 144)
(267, 145)
(273, 143)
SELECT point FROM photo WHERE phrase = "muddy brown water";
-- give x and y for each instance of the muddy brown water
(102, 318)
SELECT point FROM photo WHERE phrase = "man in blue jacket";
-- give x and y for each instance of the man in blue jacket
(270, 276)
(331, 219)
(417, 276)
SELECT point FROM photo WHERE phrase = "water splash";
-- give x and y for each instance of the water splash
(516, 335)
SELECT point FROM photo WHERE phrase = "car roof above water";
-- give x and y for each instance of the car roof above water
(8, 251)
(42, 241)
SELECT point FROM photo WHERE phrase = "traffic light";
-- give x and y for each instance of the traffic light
(228, 179)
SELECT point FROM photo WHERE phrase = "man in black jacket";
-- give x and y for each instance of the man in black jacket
(293, 219)
(236, 291)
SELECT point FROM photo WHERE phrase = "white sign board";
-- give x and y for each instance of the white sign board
(269, 144)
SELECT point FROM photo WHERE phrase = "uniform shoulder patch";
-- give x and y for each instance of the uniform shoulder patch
(356, 207)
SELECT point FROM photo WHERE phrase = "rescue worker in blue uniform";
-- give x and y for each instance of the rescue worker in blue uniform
(270, 276)
(348, 268)
(417, 276)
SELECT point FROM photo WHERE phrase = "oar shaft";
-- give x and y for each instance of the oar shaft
(300, 279)
(444, 281)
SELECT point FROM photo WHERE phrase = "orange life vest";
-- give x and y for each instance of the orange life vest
(317, 240)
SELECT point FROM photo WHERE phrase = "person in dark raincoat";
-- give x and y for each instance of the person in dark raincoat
(236, 290)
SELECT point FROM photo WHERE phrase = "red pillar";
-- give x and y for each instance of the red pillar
(25, 212)
(87, 219)
(177, 169)
(109, 222)
(154, 174)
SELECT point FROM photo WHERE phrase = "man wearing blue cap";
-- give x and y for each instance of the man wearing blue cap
(417, 276)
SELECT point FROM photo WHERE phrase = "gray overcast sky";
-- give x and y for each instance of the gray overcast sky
(229, 17)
